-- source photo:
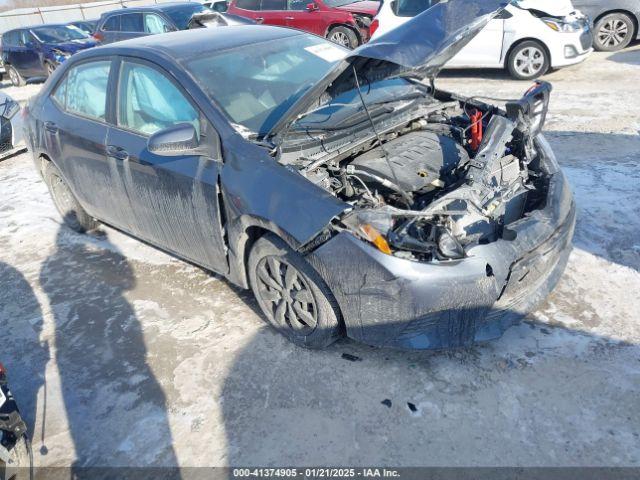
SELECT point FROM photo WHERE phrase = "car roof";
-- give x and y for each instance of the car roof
(149, 8)
(200, 41)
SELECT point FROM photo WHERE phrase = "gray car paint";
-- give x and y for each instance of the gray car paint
(376, 293)
(595, 9)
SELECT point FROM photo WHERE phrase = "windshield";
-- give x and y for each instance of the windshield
(382, 97)
(183, 13)
(256, 85)
(58, 34)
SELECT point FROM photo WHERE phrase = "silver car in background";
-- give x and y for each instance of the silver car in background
(11, 126)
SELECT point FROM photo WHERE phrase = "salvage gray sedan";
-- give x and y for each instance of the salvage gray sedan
(352, 196)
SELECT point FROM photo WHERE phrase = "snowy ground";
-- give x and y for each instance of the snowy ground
(119, 354)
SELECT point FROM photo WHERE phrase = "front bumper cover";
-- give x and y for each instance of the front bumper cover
(391, 302)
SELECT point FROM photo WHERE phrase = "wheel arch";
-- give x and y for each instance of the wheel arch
(242, 237)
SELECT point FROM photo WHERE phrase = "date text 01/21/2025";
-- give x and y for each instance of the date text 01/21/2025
(316, 472)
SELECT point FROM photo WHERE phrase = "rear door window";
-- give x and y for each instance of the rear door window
(84, 90)
(131, 22)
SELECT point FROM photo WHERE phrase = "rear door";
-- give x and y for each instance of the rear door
(247, 8)
(75, 137)
(174, 200)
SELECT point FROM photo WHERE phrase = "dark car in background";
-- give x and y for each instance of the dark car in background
(37, 51)
(615, 22)
(345, 22)
(87, 26)
(348, 194)
(127, 23)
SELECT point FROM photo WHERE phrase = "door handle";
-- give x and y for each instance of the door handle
(117, 152)
(259, 19)
(51, 127)
(289, 18)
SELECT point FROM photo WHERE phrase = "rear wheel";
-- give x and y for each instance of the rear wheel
(17, 80)
(74, 216)
(343, 36)
(528, 60)
(292, 295)
(613, 32)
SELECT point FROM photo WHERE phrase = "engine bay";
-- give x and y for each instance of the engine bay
(431, 187)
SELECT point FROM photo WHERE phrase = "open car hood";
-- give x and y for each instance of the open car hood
(418, 48)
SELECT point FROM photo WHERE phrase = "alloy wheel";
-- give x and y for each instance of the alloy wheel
(340, 38)
(286, 294)
(613, 33)
(13, 76)
(529, 61)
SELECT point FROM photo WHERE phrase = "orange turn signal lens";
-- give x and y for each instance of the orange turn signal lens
(375, 237)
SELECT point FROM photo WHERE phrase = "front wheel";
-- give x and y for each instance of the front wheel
(17, 80)
(528, 60)
(613, 32)
(292, 296)
(343, 36)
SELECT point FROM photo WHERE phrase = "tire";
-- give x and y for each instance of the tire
(343, 36)
(613, 32)
(19, 469)
(74, 216)
(17, 80)
(49, 67)
(272, 266)
(528, 60)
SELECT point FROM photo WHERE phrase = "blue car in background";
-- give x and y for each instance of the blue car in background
(36, 51)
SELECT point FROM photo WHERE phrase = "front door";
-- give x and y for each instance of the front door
(174, 200)
(485, 50)
(303, 18)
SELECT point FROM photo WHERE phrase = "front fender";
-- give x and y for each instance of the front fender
(258, 191)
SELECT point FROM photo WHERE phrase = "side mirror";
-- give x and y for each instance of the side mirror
(177, 140)
(312, 7)
(394, 6)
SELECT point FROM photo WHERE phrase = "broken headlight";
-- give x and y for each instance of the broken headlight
(562, 25)
(372, 226)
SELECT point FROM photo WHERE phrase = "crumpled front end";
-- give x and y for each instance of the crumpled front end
(392, 302)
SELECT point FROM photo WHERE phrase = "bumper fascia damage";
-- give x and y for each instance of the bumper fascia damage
(392, 302)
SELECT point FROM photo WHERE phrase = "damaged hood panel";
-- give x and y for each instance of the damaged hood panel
(428, 41)
(419, 48)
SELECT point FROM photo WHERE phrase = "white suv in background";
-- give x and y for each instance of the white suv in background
(528, 38)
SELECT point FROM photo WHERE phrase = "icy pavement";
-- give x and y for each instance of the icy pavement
(119, 354)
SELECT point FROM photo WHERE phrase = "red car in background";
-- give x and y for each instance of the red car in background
(345, 22)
